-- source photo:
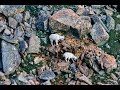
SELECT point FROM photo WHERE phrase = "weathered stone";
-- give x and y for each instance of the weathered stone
(95, 18)
(2, 26)
(80, 10)
(117, 27)
(12, 22)
(72, 67)
(27, 15)
(66, 18)
(10, 10)
(23, 46)
(19, 32)
(103, 17)
(109, 12)
(110, 23)
(9, 39)
(98, 33)
(10, 58)
(42, 16)
(109, 62)
(7, 32)
(19, 17)
(34, 44)
(47, 75)
(63, 19)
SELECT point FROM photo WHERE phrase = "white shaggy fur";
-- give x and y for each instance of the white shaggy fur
(68, 56)
(56, 38)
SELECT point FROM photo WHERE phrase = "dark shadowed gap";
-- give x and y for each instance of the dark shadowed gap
(74, 32)
(1, 65)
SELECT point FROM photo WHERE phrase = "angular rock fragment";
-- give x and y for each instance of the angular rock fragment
(7, 32)
(10, 58)
(19, 32)
(12, 22)
(2, 26)
(47, 75)
(27, 15)
(117, 27)
(80, 10)
(110, 23)
(34, 44)
(43, 16)
(23, 46)
(96, 18)
(99, 34)
(19, 17)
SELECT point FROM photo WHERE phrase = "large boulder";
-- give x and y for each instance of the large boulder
(66, 18)
(10, 58)
(99, 34)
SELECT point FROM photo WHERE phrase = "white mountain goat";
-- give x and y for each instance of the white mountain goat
(56, 38)
(68, 56)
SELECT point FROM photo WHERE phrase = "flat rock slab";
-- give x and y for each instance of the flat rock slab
(34, 44)
(99, 34)
(10, 58)
(47, 75)
(110, 23)
(66, 18)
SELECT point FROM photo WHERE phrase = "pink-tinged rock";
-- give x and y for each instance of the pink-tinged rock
(66, 18)
(109, 62)
(80, 10)
(34, 44)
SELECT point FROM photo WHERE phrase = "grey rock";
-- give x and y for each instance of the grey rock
(12, 22)
(19, 32)
(99, 34)
(2, 26)
(27, 15)
(34, 44)
(23, 46)
(28, 32)
(19, 17)
(96, 18)
(10, 10)
(103, 17)
(9, 39)
(97, 11)
(27, 25)
(73, 67)
(47, 75)
(117, 27)
(7, 32)
(42, 16)
(10, 58)
(110, 23)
